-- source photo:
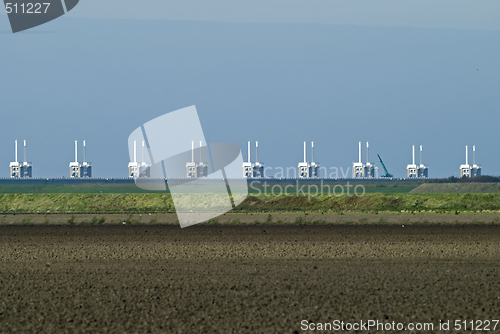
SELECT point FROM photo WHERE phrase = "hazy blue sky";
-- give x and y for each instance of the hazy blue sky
(394, 75)
(463, 14)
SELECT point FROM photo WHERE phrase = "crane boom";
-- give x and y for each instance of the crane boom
(387, 174)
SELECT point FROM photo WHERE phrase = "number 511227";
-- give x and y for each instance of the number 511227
(27, 8)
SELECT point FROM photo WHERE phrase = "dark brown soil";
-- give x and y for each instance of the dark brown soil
(243, 279)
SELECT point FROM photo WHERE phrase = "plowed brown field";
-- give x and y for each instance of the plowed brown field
(243, 279)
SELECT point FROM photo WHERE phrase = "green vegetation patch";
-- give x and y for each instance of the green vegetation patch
(41, 203)
(255, 188)
(99, 203)
(458, 188)
(375, 203)
(92, 188)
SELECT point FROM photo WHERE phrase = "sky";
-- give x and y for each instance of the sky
(393, 73)
(461, 14)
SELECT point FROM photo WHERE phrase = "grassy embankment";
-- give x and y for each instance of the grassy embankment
(97, 188)
(458, 188)
(370, 203)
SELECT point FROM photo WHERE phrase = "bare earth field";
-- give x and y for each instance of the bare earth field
(227, 278)
(275, 218)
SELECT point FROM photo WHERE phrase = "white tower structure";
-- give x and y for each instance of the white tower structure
(15, 166)
(133, 166)
(248, 166)
(86, 169)
(196, 169)
(465, 170)
(476, 169)
(470, 170)
(369, 167)
(202, 166)
(304, 167)
(75, 167)
(192, 167)
(314, 165)
(144, 169)
(358, 168)
(26, 167)
(412, 169)
(423, 170)
(258, 168)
